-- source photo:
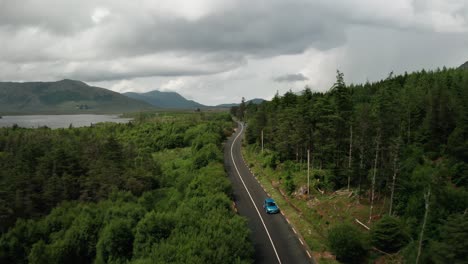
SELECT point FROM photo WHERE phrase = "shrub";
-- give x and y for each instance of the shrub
(153, 228)
(388, 234)
(347, 243)
(326, 179)
(39, 254)
(289, 184)
(205, 155)
(115, 242)
(452, 245)
(270, 160)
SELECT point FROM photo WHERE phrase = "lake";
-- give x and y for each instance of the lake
(59, 121)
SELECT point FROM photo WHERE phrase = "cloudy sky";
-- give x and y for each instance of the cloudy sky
(217, 51)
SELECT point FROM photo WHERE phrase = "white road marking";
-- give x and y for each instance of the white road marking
(251, 199)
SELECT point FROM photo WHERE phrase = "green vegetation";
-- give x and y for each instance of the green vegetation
(395, 147)
(63, 97)
(152, 191)
(451, 245)
(389, 234)
(347, 243)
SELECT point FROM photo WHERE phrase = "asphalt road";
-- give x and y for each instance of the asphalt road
(273, 238)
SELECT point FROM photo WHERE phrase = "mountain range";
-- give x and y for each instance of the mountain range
(73, 97)
(165, 100)
(464, 66)
(254, 101)
(176, 101)
(63, 97)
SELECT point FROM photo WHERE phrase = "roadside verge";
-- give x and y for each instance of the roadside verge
(301, 226)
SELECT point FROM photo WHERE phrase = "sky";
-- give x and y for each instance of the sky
(218, 51)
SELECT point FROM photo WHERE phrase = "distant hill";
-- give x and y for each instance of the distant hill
(254, 101)
(464, 66)
(165, 100)
(63, 97)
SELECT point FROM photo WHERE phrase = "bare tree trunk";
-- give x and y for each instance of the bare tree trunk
(308, 173)
(262, 141)
(297, 153)
(409, 127)
(361, 167)
(312, 162)
(426, 200)
(350, 154)
(373, 177)
(395, 172)
(300, 159)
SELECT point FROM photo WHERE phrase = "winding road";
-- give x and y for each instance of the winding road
(274, 240)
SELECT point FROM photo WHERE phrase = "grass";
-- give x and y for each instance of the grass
(312, 217)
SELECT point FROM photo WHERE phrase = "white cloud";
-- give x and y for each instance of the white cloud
(219, 51)
(99, 14)
(190, 10)
(124, 86)
(173, 85)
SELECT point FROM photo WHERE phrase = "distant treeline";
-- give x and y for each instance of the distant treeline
(404, 139)
(151, 191)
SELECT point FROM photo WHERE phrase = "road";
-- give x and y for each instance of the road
(274, 240)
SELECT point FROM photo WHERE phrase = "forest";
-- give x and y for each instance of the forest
(150, 191)
(402, 140)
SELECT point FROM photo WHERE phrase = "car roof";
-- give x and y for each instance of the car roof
(269, 200)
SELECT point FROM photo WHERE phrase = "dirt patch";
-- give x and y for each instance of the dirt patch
(324, 255)
(313, 203)
(389, 259)
(275, 184)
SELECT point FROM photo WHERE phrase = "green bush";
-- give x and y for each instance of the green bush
(115, 242)
(39, 253)
(452, 245)
(270, 159)
(347, 243)
(205, 139)
(289, 184)
(15, 243)
(389, 235)
(153, 228)
(205, 155)
(325, 179)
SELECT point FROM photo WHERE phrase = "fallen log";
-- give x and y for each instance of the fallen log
(359, 222)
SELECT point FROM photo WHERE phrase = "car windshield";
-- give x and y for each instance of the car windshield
(271, 204)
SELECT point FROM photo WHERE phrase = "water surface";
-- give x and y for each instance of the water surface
(59, 121)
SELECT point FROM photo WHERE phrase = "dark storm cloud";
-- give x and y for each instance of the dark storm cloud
(267, 29)
(95, 40)
(299, 77)
(35, 33)
(255, 32)
(57, 16)
(98, 74)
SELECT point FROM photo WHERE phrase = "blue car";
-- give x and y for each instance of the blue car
(270, 206)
